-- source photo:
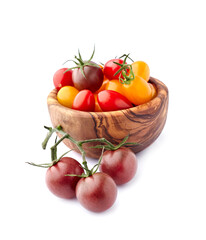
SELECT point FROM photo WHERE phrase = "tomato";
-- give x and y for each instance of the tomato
(91, 80)
(84, 101)
(114, 85)
(62, 78)
(105, 81)
(96, 193)
(110, 101)
(66, 96)
(96, 107)
(59, 184)
(110, 68)
(138, 91)
(120, 164)
(141, 69)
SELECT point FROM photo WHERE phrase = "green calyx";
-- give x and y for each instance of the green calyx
(80, 63)
(126, 70)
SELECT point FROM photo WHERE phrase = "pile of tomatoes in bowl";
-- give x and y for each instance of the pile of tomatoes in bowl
(115, 85)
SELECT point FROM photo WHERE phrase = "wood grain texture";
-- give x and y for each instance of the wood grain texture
(142, 123)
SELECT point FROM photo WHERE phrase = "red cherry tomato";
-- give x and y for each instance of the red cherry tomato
(120, 164)
(96, 193)
(84, 101)
(62, 78)
(59, 184)
(110, 100)
(110, 68)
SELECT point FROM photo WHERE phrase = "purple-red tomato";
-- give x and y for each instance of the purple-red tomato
(84, 101)
(110, 68)
(59, 184)
(120, 164)
(91, 80)
(62, 78)
(110, 100)
(96, 193)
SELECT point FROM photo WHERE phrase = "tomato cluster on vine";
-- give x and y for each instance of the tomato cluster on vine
(96, 188)
(93, 87)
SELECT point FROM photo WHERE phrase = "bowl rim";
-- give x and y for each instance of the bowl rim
(160, 87)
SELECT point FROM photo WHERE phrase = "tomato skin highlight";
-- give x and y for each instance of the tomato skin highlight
(111, 101)
(93, 81)
(84, 101)
(62, 78)
(60, 185)
(96, 193)
(66, 95)
(120, 164)
(110, 68)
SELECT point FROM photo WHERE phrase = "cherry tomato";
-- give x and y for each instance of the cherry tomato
(62, 78)
(110, 68)
(141, 69)
(84, 101)
(105, 81)
(66, 95)
(110, 101)
(59, 184)
(114, 85)
(138, 91)
(96, 193)
(120, 164)
(92, 80)
(97, 107)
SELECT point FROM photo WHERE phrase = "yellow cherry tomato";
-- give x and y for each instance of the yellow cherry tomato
(66, 95)
(138, 91)
(115, 85)
(141, 69)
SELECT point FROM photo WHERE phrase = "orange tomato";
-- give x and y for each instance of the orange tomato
(115, 85)
(66, 95)
(138, 91)
(97, 108)
(141, 69)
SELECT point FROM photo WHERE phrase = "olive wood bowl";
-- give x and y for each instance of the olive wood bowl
(143, 123)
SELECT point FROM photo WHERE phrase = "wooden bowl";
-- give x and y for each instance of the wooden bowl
(142, 123)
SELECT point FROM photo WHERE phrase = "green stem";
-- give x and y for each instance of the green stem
(77, 143)
(48, 136)
(106, 145)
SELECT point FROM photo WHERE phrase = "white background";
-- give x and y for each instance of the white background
(166, 199)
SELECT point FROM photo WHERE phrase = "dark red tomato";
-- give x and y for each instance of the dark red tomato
(110, 100)
(59, 184)
(120, 164)
(62, 78)
(96, 193)
(110, 68)
(84, 101)
(92, 80)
